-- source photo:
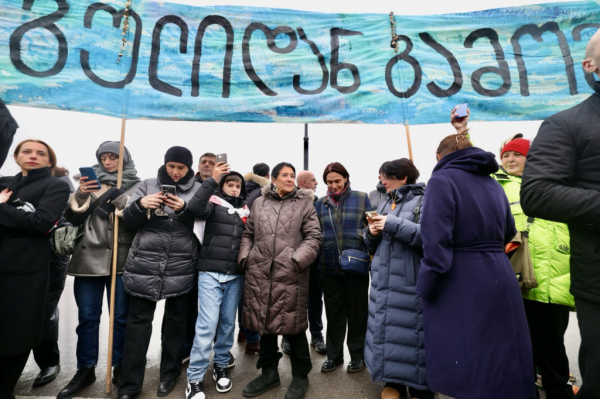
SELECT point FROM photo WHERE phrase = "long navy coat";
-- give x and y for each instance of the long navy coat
(476, 333)
(394, 350)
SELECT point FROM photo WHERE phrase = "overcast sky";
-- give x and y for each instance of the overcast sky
(361, 148)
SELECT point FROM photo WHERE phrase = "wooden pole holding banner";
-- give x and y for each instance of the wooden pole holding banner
(113, 274)
(410, 155)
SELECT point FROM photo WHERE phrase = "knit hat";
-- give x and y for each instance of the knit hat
(113, 147)
(519, 145)
(511, 138)
(181, 155)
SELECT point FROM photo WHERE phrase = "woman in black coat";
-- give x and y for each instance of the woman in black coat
(31, 203)
(161, 265)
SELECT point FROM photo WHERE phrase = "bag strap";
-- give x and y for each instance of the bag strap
(334, 233)
(417, 210)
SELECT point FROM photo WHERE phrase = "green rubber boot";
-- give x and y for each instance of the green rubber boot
(298, 388)
(267, 380)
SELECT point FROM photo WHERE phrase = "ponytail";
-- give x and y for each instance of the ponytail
(452, 143)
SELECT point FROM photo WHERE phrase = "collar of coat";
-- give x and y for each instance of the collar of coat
(502, 175)
(298, 193)
(261, 181)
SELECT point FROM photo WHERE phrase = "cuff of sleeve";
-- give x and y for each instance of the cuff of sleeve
(80, 202)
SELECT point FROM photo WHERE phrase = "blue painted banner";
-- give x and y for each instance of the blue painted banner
(269, 65)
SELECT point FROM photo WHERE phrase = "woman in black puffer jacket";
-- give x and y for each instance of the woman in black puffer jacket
(161, 265)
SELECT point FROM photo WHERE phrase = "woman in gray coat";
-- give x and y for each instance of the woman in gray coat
(161, 265)
(394, 350)
(92, 259)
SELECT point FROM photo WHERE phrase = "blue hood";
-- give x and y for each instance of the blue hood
(473, 160)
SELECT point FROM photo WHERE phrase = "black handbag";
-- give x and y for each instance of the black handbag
(352, 261)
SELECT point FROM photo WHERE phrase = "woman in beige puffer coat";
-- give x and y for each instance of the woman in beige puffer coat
(281, 240)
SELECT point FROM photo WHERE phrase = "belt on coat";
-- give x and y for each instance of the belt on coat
(480, 246)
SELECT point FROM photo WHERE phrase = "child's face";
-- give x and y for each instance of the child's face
(232, 188)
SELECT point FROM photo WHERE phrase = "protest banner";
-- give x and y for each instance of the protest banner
(248, 64)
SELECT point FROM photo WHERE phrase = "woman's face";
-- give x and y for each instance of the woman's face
(335, 182)
(176, 170)
(110, 161)
(285, 181)
(513, 163)
(392, 183)
(33, 156)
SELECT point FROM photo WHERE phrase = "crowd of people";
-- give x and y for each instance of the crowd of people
(425, 283)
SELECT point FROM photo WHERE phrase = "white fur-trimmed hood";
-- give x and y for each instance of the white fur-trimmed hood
(261, 181)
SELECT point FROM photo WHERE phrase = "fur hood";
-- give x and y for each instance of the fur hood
(299, 193)
(261, 181)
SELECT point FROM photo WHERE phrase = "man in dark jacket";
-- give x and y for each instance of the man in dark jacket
(561, 182)
(205, 166)
(307, 180)
(256, 181)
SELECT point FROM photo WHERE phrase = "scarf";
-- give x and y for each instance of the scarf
(337, 197)
(164, 178)
(130, 177)
(200, 225)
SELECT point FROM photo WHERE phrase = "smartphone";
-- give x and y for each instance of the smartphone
(461, 110)
(222, 158)
(89, 173)
(166, 189)
(371, 215)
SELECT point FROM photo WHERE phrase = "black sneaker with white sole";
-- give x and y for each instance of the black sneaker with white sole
(195, 390)
(221, 377)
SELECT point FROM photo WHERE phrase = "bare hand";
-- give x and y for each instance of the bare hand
(373, 230)
(152, 201)
(460, 124)
(220, 170)
(174, 202)
(87, 187)
(378, 222)
(5, 195)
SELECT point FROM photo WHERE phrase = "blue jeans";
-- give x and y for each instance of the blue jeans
(88, 295)
(216, 315)
(251, 336)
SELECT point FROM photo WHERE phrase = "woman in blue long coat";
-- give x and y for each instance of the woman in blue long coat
(476, 333)
(394, 350)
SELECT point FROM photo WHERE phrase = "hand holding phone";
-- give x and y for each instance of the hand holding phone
(370, 216)
(220, 170)
(88, 182)
(459, 117)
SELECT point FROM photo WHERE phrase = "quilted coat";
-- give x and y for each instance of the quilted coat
(395, 348)
(281, 240)
(162, 259)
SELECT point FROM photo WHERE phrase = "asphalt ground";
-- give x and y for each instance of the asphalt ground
(338, 384)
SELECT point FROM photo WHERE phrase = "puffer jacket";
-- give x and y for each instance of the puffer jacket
(92, 255)
(349, 218)
(223, 230)
(548, 245)
(162, 259)
(394, 347)
(281, 240)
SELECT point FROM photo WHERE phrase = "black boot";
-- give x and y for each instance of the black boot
(116, 377)
(85, 376)
(298, 388)
(46, 375)
(267, 380)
